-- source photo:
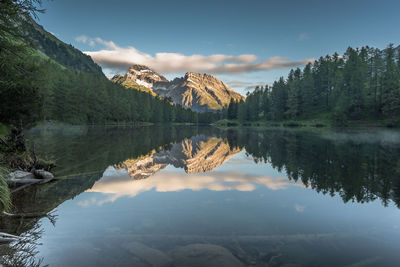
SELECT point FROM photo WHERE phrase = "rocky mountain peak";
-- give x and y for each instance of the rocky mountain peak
(199, 92)
(143, 75)
(197, 75)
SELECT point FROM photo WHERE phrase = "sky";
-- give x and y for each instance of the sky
(243, 43)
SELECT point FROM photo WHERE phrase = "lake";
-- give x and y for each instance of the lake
(202, 196)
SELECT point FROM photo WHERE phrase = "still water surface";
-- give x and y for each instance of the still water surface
(186, 196)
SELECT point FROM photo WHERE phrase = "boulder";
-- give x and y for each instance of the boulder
(42, 174)
(151, 256)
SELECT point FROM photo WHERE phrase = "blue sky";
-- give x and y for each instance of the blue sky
(256, 41)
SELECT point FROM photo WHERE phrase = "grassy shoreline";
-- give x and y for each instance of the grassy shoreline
(311, 123)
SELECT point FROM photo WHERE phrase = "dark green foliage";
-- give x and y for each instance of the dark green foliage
(233, 109)
(20, 100)
(364, 84)
(80, 98)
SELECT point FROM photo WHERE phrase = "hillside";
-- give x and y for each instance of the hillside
(64, 54)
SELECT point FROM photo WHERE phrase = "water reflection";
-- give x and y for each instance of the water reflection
(196, 154)
(358, 166)
(190, 196)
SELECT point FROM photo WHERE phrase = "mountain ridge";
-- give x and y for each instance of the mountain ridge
(199, 92)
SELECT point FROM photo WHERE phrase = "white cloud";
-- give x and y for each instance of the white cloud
(119, 59)
(82, 39)
(90, 41)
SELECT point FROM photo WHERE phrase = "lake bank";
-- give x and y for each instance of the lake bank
(311, 123)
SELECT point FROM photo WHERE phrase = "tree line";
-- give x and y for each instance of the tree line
(363, 84)
(79, 97)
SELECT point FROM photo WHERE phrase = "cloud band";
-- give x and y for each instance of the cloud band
(120, 59)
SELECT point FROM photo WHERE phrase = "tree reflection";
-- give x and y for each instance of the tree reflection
(24, 251)
(356, 168)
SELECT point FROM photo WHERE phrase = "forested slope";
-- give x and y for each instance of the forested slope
(363, 84)
(43, 78)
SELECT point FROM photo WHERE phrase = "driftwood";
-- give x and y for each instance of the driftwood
(7, 238)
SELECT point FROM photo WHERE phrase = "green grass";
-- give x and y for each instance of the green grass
(318, 122)
(4, 130)
(5, 195)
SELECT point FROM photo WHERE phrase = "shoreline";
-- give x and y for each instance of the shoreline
(313, 123)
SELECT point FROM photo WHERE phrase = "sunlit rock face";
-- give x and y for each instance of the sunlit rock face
(199, 92)
(141, 168)
(200, 154)
(139, 77)
(197, 154)
(144, 75)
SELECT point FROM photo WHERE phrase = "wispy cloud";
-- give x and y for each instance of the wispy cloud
(303, 36)
(86, 40)
(238, 84)
(247, 86)
(120, 59)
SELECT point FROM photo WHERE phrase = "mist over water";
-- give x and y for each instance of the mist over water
(193, 196)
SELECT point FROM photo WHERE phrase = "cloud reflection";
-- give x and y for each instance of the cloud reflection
(118, 183)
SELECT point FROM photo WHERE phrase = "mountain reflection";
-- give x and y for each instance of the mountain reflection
(357, 167)
(196, 154)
